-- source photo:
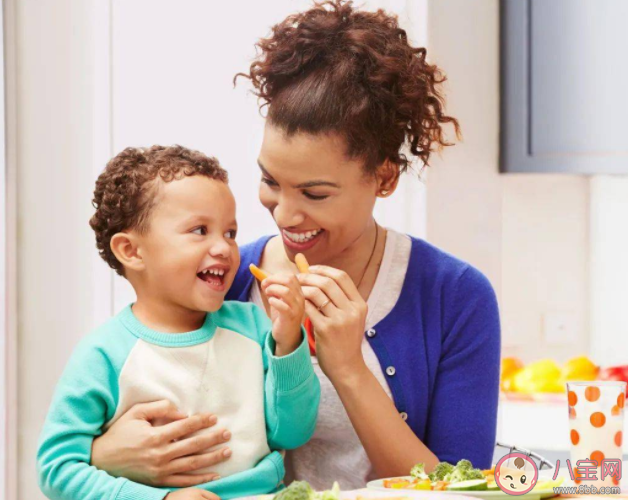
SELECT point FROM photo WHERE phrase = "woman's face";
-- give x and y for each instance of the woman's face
(321, 201)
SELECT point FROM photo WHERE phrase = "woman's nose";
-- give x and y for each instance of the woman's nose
(287, 214)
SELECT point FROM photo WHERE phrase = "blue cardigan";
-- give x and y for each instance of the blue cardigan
(439, 348)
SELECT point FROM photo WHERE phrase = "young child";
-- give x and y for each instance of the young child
(165, 220)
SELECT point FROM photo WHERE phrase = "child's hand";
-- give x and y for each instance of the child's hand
(287, 307)
(191, 494)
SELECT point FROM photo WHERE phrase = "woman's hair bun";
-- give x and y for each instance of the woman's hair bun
(334, 68)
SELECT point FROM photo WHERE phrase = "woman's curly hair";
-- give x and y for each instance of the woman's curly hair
(336, 69)
(126, 191)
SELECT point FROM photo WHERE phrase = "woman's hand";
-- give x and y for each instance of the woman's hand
(338, 315)
(160, 456)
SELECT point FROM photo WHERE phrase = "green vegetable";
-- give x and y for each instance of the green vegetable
(333, 494)
(474, 485)
(418, 471)
(298, 490)
(440, 471)
(301, 490)
(492, 486)
(463, 471)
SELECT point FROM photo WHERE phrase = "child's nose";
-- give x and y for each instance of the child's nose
(220, 249)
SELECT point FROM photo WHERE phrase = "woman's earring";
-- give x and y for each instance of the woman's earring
(383, 193)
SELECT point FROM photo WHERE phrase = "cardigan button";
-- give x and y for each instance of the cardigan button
(404, 416)
(390, 371)
(371, 333)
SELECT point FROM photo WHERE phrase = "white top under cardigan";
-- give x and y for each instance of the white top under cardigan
(335, 453)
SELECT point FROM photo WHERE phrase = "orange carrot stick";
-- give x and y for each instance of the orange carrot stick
(301, 262)
(257, 272)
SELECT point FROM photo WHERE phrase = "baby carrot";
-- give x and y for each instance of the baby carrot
(257, 272)
(301, 262)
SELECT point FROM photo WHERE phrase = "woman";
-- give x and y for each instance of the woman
(407, 337)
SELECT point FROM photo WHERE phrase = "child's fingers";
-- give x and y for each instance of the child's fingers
(289, 281)
(276, 290)
(279, 304)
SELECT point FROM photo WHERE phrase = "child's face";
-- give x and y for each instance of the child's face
(192, 229)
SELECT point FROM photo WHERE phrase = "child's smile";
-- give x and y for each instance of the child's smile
(214, 276)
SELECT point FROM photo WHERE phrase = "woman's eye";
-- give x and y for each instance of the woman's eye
(523, 479)
(269, 182)
(202, 231)
(231, 234)
(314, 196)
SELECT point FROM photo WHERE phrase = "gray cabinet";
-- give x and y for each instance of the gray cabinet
(564, 86)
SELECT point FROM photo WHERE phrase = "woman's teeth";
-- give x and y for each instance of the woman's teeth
(301, 237)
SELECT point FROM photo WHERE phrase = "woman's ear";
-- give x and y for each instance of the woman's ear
(387, 175)
(125, 246)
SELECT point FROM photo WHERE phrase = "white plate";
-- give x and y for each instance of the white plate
(372, 494)
(484, 495)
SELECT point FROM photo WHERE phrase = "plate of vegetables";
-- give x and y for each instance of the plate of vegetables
(460, 479)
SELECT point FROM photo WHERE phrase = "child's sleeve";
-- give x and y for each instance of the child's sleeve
(292, 391)
(85, 398)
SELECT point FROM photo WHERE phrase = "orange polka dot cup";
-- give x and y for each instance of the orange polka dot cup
(596, 425)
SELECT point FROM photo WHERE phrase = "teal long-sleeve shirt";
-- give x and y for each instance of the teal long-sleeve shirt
(227, 367)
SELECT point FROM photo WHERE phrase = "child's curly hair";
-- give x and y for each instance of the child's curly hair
(126, 190)
(336, 69)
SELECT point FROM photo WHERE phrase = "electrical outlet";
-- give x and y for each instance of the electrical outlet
(559, 327)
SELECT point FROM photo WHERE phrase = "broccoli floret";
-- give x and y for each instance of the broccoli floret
(463, 471)
(440, 471)
(418, 471)
(298, 490)
(474, 474)
(333, 494)
(464, 464)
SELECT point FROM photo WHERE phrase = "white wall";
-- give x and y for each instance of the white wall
(95, 76)
(609, 269)
(528, 233)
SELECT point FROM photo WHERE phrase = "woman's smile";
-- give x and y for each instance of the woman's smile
(301, 240)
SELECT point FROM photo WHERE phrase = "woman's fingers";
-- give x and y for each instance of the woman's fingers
(197, 444)
(318, 298)
(196, 462)
(186, 480)
(315, 315)
(327, 286)
(185, 427)
(339, 277)
(155, 410)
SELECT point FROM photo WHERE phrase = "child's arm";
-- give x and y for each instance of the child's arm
(84, 400)
(292, 389)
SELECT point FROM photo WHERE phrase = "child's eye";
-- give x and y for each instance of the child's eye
(314, 197)
(201, 230)
(231, 234)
